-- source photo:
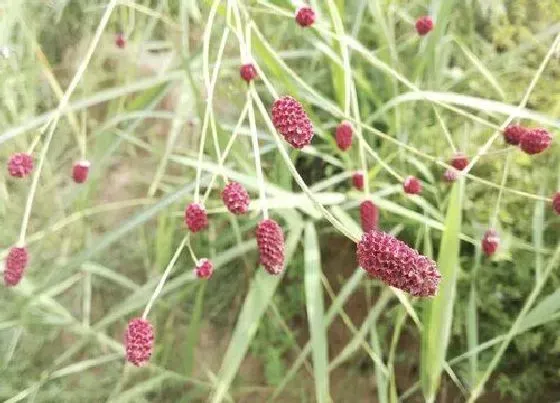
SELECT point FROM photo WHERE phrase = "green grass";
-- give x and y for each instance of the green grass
(167, 121)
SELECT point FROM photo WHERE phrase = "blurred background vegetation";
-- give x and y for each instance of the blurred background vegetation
(98, 250)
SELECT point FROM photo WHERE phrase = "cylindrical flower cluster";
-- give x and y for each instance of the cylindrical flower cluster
(459, 161)
(535, 141)
(20, 165)
(358, 180)
(424, 25)
(139, 341)
(15, 265)
(80, 171)
(343, 135)
(369, 215)
(292, 122)
(248, 72)
(270, 241)
(490, 242)
(391, 260)
(305, 16)
(412, 185)
(513, 133)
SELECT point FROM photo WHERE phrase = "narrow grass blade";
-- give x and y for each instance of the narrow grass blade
(259, 296)
(193, 331)
(439, 310)
(316, 314)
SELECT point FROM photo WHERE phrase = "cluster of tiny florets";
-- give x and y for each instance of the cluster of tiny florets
(15, 265)
(305, 16)
(513, 133)
(291, 120)
(204, 269)
(450, 175)
(459, 161)
(139, 341)
(196, 217)
(343, 135)
(236, 198)
(535, 141)
(369, 215)
(270, 242)
(20, 165)
(395, 263)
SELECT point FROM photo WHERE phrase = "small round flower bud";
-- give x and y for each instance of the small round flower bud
(358, 180)
(490, 242)
(204, 269)
(80, 171)
(412, 185)
(450, 175)
(459, 161)
(20, 165)
(305, 16)
(248, 72)
(196, 217)
(513, 133)
(424, 25)
(343, 135)
(139, 341)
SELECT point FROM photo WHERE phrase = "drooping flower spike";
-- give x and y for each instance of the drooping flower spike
(270, 242)
(396, 264)
(292, 122)
(139, 341)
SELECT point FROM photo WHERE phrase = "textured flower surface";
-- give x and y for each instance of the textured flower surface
(358, 180)
(248, 72)
(20, 165)
(305, 16)
(535, 141)
(80, 171)
(513, 133)
(196, 217)
(556, 203)
(290, 119)
(120, 41)
(139, 341)
(16, 262)
(236, 198)
(392, 261)
(490, 242)
(369, 215)
(459, 161)
(424, 25)
(343, 135)
(270, 241)
(204, 269)
(412, 185)
(450, 175)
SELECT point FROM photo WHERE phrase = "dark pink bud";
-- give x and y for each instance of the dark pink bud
(20, 165)
(120, 41)
(16, 262)
(556, 203)
(535, 141)
(513, 133)
(248, 72)
(343, 135)
(412, 185)
(459, 161)
(450, 175)
(196, 217)
(490, 242)
(236, 198)
(292, 122)
(424, 25)
(80, 171)
(358, 180)
(369, 215)
(305, 16)
(270, 241)
(139, 341)
(385, 257)
(204, 269)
